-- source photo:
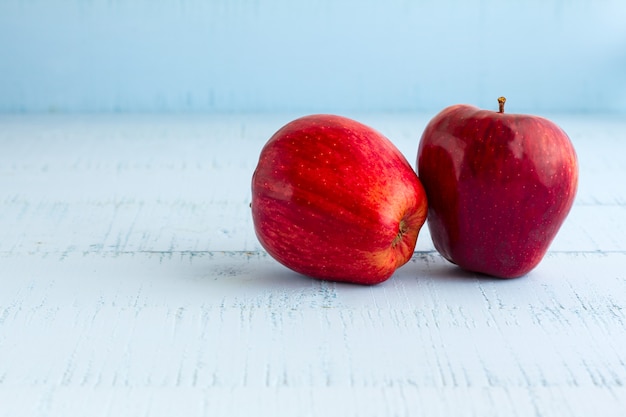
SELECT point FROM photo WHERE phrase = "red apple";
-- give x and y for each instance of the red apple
(499, 187)
(334, 199)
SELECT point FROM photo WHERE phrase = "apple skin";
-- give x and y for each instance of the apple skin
(499, 187)
(334, 199)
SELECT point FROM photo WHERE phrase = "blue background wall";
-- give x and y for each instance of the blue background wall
(318, 55)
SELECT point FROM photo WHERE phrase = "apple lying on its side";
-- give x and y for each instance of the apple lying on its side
(335, 200)
(499, 187)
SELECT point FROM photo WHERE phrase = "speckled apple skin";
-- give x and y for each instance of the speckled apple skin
(499, 187)
(334, 199)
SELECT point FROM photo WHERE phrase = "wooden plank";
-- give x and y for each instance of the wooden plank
(153, 332)
(234, 319)
(140, 183)
(129, 225)
(314, 401)
(131, 282)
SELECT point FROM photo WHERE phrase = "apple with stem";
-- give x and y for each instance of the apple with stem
(335, 200)
(499, 187)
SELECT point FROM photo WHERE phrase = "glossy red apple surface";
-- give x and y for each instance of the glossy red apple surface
(334, 199)
(499, 187)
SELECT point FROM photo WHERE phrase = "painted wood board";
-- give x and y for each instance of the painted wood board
(131, 283)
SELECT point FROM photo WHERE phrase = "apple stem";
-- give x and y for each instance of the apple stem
(402, 229)
(501, 101)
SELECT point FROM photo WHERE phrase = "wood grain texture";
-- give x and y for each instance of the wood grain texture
(131, 283)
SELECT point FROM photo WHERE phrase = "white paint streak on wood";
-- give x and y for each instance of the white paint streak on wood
(131, 283)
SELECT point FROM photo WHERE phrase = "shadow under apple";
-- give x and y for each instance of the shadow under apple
(432, 265)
